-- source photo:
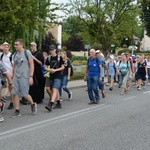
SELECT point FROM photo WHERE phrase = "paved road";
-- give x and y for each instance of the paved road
(117, 123)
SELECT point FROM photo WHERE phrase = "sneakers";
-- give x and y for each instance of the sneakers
(2, 105)
(139, 89)
(49, 106)
(61, 99)
(103, 95)
(57, 106)
(11, 106)
(15, 114)
(1, 119)
(70, 95)
(34, 108)
(111, 88)
(97, 102)
(92, 102)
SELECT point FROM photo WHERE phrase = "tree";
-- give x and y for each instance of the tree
(25, 19)
(74, 43)
(107, 22)
(145, 6)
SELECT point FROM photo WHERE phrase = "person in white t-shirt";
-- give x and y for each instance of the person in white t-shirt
(6, 58)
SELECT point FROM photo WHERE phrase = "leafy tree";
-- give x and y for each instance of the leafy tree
(107, 22)
(145, 6)
(24, 19)
(74, 43)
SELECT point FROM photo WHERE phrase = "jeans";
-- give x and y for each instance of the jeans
(148, 71)
(101, 85)
(92, 84)
(64, 82)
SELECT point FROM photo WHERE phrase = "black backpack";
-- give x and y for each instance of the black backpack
(71, 72)
(10, 57)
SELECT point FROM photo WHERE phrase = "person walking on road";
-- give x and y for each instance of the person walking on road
(65, 76)
(6, 58)
(93, 76)
(123, 69)
(23, 70)
(37, 89)
(56, 64)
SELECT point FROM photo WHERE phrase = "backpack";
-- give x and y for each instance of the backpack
(127, 64)
(25, 53)
(71, 71)
(58, 60)
(10, 57)
(96, 60)
(113, 66)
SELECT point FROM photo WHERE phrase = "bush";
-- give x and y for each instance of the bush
(77, 76)
(82, 62)
(78, 58)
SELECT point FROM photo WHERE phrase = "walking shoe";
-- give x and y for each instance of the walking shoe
(34, 108)
(61, 99)
(139, 89)
(15, 114)
(2, 105)
(111, 88)
(148, 84)
(144, 87)
(70, 95)
(11, 106)
(103, 95)
(97, 102)
(57, 106)
(3, 100)
(1, 119)
(23, 101)
(49, 106)
(91, 103)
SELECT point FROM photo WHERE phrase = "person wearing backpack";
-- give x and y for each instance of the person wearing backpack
(93, 76)
(6, 58)
(23, 70)
(56, 64)
(65, 75)
(123, 69)
(141, 72)
(111, 65)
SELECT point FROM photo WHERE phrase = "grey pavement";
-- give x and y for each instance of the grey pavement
(79, 83)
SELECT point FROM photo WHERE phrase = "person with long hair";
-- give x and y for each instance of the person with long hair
(124, 71)
(65, 75)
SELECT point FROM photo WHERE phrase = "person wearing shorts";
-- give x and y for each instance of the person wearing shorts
(56, 64)
(22, 77)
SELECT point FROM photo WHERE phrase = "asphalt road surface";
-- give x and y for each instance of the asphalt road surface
(119, 122)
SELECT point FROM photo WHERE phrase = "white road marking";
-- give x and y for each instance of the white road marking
(146, 92)
(128, 98)
(37, 125)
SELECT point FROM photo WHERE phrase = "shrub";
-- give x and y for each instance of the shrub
(78, 58)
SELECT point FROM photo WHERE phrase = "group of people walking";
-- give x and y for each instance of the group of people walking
(29, 73)
(124, 70)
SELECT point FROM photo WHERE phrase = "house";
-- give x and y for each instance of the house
(145, 43)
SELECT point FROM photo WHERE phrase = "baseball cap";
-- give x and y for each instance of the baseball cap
(98, 51)
(5, 43)
(51, 47)
(59, 50)
(33, 43)
(111, 56)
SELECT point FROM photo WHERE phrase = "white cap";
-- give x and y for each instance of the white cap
(102, 54)
(111, 56)
(5, 43)
(33, 43)
(98, 51)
